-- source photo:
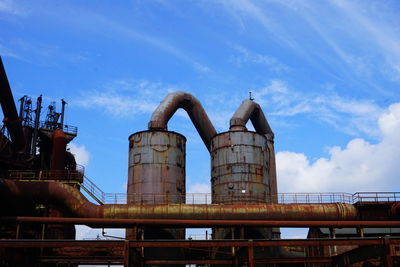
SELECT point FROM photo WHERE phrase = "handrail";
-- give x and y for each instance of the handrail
(200, 198)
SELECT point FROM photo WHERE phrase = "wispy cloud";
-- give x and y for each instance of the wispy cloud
(6, 52)
(245, 56)
(382, 31)
(353, 116)
(354, 38)
(129, 33)
(125, 98)
(12, 8)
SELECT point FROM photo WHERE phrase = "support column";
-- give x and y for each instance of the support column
(388, 261)
(250, 254)
(126, 253)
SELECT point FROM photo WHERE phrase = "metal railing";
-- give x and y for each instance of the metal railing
(207, 198)
(46, 175)
(198, 198)
(52, 126)
(93, 190)
(376, 197)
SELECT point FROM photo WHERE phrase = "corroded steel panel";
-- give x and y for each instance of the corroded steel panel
(156, 175)
(156, 167)
(239, 168)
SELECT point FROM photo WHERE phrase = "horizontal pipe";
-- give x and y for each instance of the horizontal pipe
(177, 223)
(229, 262)
(78, 206)
(194, 109)
(197, 243)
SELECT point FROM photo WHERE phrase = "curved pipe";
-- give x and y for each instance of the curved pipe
(194, 109)
(251, 110)
(70, 198)
(11, 119)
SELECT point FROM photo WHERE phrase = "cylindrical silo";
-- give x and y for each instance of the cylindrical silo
(239, 168)
(239, 174)
(156, 176)
(156, 167)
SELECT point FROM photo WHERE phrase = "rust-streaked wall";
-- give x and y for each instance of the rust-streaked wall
(239, 172)
(157, 175)
(156, 167)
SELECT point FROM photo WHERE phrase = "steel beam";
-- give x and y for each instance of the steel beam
(196, 243)
(176, 223)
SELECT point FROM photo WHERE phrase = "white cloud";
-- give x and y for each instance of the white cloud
(246, 56)
(352, 116)
(360, 166)
(82, 156)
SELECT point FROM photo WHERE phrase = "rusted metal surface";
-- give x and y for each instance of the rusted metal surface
(59, 146)
(199, 243)
(192, 106)
(239, 174)
(79, 206)
(49, 175)
(156, 167)
(11, 119)
(118, 223)
(239, 162)
(113, 252)
(251, 110)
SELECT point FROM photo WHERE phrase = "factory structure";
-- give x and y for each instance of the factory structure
(44, 193)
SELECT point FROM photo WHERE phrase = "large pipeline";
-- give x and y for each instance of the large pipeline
(78, 206)
(11, 119)
(194, 109)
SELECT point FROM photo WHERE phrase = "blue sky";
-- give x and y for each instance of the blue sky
(326, 73)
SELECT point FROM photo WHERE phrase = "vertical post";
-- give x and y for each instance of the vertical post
(62, 113)
(142, 238)
(36, 125)
(17, 232)
(43, 231)
(333, 235)
(250, 254)
(233, 237)
(242, 232)
(360, 231)
(21, 107)
(388, 262)
(126, 253)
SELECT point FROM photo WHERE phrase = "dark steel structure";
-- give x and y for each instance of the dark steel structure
(41, 201)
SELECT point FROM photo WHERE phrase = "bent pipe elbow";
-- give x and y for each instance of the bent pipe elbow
(251, 110)
(194, 109)
(61, 194)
